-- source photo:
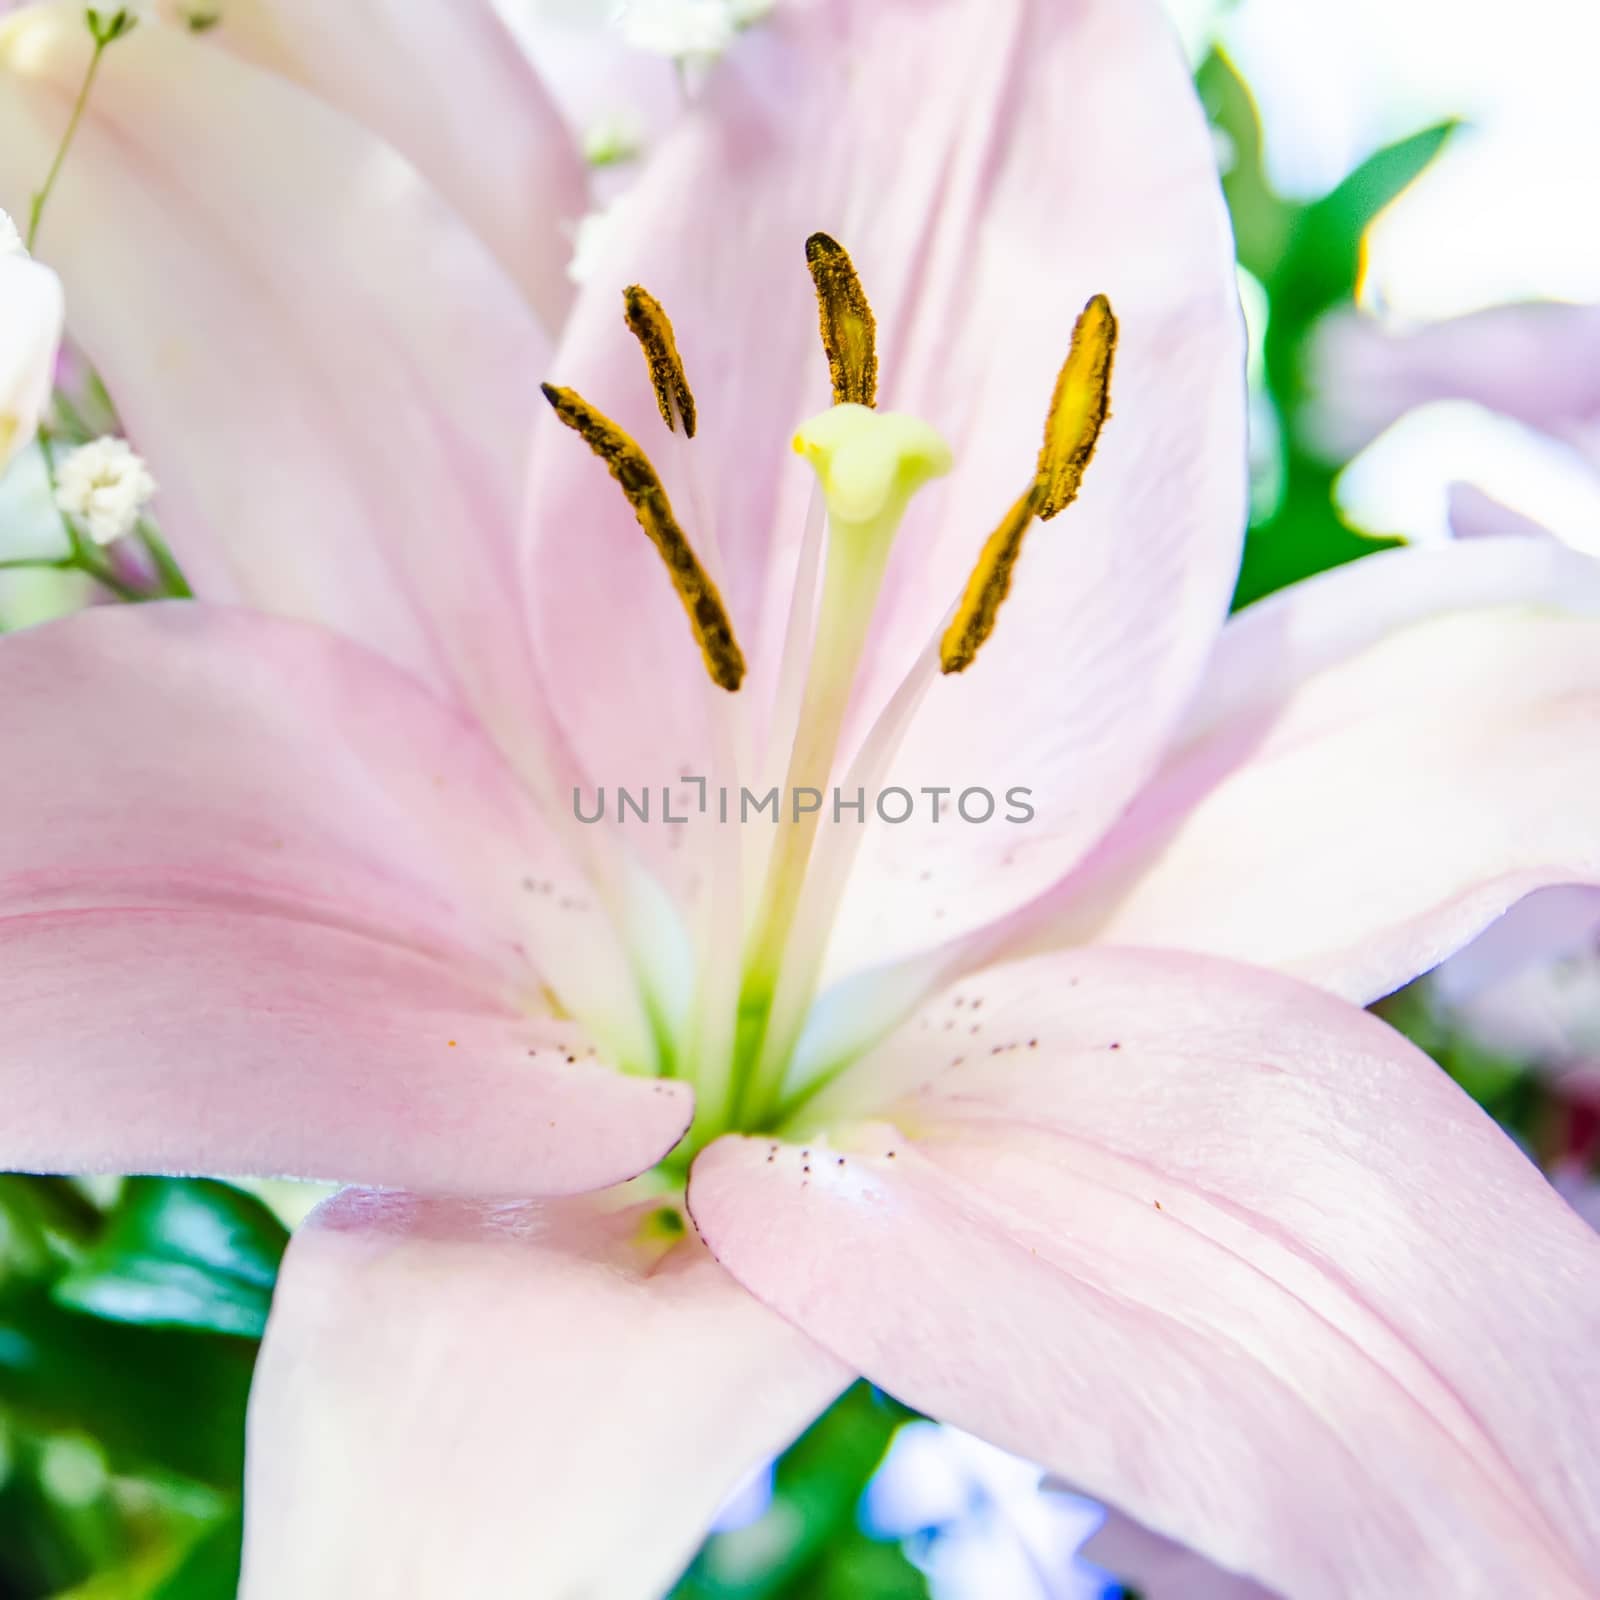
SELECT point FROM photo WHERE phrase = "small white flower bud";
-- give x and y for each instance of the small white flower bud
(10, 238)
(104, 486)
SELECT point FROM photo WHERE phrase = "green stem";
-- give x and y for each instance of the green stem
(174, 584)
(102, 574)
(47, 449)
(37, 204)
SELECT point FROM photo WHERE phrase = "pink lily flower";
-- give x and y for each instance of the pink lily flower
(1160, 1569)
(1530, 987)
(1070, 1132)
(1537, 363)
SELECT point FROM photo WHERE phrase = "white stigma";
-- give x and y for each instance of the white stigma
(104, 486)
(10, 239)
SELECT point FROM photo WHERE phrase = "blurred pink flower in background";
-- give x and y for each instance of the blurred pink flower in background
(1529, 988)
(291, 883)
(1536, 363)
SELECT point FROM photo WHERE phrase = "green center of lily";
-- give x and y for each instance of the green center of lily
(772, 894)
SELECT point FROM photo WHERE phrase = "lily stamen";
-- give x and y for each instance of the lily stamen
(652, 327)
(631, 468)
(988, 586)
(1079, 407)
(849, 330)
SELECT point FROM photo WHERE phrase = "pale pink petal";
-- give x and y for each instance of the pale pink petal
(446, 84)
(269, 907)
(1529, 988)
(30, 331)
(913, 132)
(541, 1401)
(1549, 926)
(1577, 1185)
(608, 93)
(330, 377)
(1380, 762)
(1214, 1247)
(1538, 362)
(194, 1039)
(1158, 1569)
(1476, 515)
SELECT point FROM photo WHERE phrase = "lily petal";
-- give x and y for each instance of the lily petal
(268, 907)
(1529, 988)
(445, 83)
(1535, 362)
(533, 1401)
(913, 132)
(1381, 761)
(1159, 1569)
(1476, 515)
(30, 331)
(614, 98)
(1215, 1247)
(331, 378)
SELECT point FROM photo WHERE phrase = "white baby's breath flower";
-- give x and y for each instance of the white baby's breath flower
(104, 486)
(677, 28)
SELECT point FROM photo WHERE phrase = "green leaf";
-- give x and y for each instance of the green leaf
(1321, 263)
(182, 1254)
(210, 1571)
(156, 1400)
(1262, 220)
(1318, 268)
(42, 1222)
(791, 1553)
(854, 1567)
(46, 1544)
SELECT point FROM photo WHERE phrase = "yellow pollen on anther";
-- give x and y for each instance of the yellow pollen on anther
(652, 327)
(849, 330)
(1078, 408)
(1078, 411)
(632, 470)
(988, 586)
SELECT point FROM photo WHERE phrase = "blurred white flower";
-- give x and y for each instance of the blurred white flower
(105, 485)
(679, 28)
(31, 310)
(976, 1521)
(1529, 987)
